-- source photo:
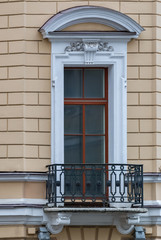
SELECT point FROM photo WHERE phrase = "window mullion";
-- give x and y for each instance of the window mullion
(83, 133)
(83, 83)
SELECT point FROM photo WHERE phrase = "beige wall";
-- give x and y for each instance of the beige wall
(74, 233)
(25, 83)
(68, 233)
(15, 190)
(25, 100)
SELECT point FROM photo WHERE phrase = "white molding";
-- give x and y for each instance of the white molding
(89, 47)
(152, 203)
(21, 215)
(152, 177)
(65, 53)
(122, 226)
(37, 216)
(55, 221)
(54, 229)
(23, 201)
(42, 177)
(93, 14)
(23, 176)
(115, 61)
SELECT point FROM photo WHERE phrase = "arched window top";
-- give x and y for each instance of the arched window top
(90, 14)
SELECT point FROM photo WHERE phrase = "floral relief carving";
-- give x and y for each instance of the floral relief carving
(75, 47)
(103, 46)
(81, 46)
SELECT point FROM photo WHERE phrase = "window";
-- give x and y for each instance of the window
(85, 115)
(81, 49)
(75, 52)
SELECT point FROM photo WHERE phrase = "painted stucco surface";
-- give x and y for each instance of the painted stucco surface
(25, 83)
(25, 107)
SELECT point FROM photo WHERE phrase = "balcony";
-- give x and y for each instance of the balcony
(95, 185)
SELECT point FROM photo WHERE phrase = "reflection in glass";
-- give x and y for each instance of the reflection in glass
(73, 149)
(94, 182)
(95, 119)
(94, 82)
(73, 182)
(95, 149)
(72, 119)
(73, 83)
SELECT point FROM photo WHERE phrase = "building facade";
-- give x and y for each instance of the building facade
(80, 80)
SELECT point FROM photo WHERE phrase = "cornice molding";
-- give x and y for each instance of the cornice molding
(23, 202)
(42, 177)
(93, 14)
(22, 177)
(56, 220)
(37, 216)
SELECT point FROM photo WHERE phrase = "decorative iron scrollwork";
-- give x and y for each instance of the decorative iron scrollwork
(103, 183)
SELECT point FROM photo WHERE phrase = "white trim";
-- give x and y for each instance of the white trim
(42, 177)
(23, 176)
(65, 53)
(92, 35)
(23, 201)
(116, 63)
(152, 177)
(21, 215)
(93, 14)
(152, 203)
(36, 216)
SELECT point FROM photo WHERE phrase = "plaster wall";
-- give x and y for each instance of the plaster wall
(25, 99)
(25, 82)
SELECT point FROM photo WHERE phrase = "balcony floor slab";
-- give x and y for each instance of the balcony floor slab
(100, 210)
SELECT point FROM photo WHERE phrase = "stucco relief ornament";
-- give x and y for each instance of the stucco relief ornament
(75, 47)
(89, 48)
(103, 46)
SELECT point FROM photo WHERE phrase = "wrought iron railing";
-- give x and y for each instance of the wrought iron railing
(95, 184)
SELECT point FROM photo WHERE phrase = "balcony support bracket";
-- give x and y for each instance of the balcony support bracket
(56, 222)
(125, 225)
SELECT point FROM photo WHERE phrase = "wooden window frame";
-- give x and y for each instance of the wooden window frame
(91, 101)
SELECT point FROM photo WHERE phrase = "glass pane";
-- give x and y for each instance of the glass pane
(73, 83)
(73, 182)
(94, 184)
(94, 83)
(95, 119)
(95, 149)
(73, 149)
(72, 119)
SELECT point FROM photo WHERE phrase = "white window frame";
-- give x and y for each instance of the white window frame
(113, 56)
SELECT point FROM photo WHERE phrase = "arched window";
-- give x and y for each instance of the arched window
(80, 63)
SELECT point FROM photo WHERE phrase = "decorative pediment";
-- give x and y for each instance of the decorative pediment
(90, 14)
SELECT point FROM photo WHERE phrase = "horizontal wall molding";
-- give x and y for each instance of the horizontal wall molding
(41, 177)
(152, 177)
(23, 202)
(23, 177)
(152, 204)
(43, 202)
(37, 216)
